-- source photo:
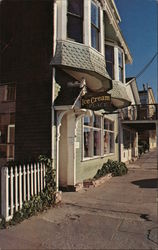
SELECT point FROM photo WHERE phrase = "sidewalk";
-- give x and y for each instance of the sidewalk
(120, 214)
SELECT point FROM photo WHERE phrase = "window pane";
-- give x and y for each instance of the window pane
(97, 121)
(87, 120)
(111, 142)
(111, 125)
(11, 93)
(87, 142)
(120, 74)
(95, 15)
(120, 58)
(110, 69)
(75, 7)
(74, 28)
(11, 134)
(95, 38)
(97, 142)
(109, 53)
(106, 124)
(106, 142)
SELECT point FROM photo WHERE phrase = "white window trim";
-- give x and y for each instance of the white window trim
(61, 23)
(116, 62)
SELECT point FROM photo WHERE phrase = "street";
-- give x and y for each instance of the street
(119, 214)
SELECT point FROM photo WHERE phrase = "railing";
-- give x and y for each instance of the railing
(19, 184)
(140, 112)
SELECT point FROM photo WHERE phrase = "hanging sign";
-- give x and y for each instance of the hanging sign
(96, 101)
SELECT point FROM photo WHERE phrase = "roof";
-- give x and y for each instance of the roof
(119, 91)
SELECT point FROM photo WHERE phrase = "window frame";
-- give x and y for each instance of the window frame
(94, 26)
(78, 17)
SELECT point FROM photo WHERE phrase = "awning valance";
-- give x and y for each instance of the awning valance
(119, 96)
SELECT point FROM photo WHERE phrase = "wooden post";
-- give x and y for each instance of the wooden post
(16, 189)
(41, 171)
(4, 193)
(11, 191)
(35, 185)
(20, 188)
(38, 178)
(31, 180)
(24, 182)
(28, 183)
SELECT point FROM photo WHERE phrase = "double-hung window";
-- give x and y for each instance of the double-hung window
(95, 25)
(109, 56)
(75, 20)
(98, 137)
(108, 136)
(120, 62)
(10, 93)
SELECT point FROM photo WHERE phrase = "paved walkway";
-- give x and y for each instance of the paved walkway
(120, 214)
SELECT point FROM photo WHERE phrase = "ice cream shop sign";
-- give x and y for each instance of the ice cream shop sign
(96, 101)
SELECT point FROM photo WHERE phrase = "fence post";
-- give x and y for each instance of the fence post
(4, 193)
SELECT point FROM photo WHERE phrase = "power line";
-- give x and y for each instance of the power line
(147, 65)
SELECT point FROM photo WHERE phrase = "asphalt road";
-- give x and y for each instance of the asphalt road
(119, 214)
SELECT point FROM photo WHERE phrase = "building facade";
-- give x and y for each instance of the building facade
(67, 62)
(147, 99)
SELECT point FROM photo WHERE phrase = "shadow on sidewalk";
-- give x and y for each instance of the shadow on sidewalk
(146, 183)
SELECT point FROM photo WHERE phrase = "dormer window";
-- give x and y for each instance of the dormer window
(75, 20)
(95, 25)
(109, 56)
(120, 64)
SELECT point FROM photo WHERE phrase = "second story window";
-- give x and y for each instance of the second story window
(75, 20)
(8, 93)
(120, 64)
(109, 56)
(95, 26)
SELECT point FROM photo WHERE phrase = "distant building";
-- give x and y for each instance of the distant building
(147, 98)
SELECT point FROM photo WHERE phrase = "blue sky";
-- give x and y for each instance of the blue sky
(139, 27)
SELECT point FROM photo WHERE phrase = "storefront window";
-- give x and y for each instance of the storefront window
(95, 26)
(75, 20)
(96, 135)
(92, 136)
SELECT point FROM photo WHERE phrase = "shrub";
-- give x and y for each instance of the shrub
(114, 167)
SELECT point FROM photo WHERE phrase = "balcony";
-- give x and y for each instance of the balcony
(140, 112)
(140, 117)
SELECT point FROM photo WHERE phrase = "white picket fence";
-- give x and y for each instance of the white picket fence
(18, 184)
